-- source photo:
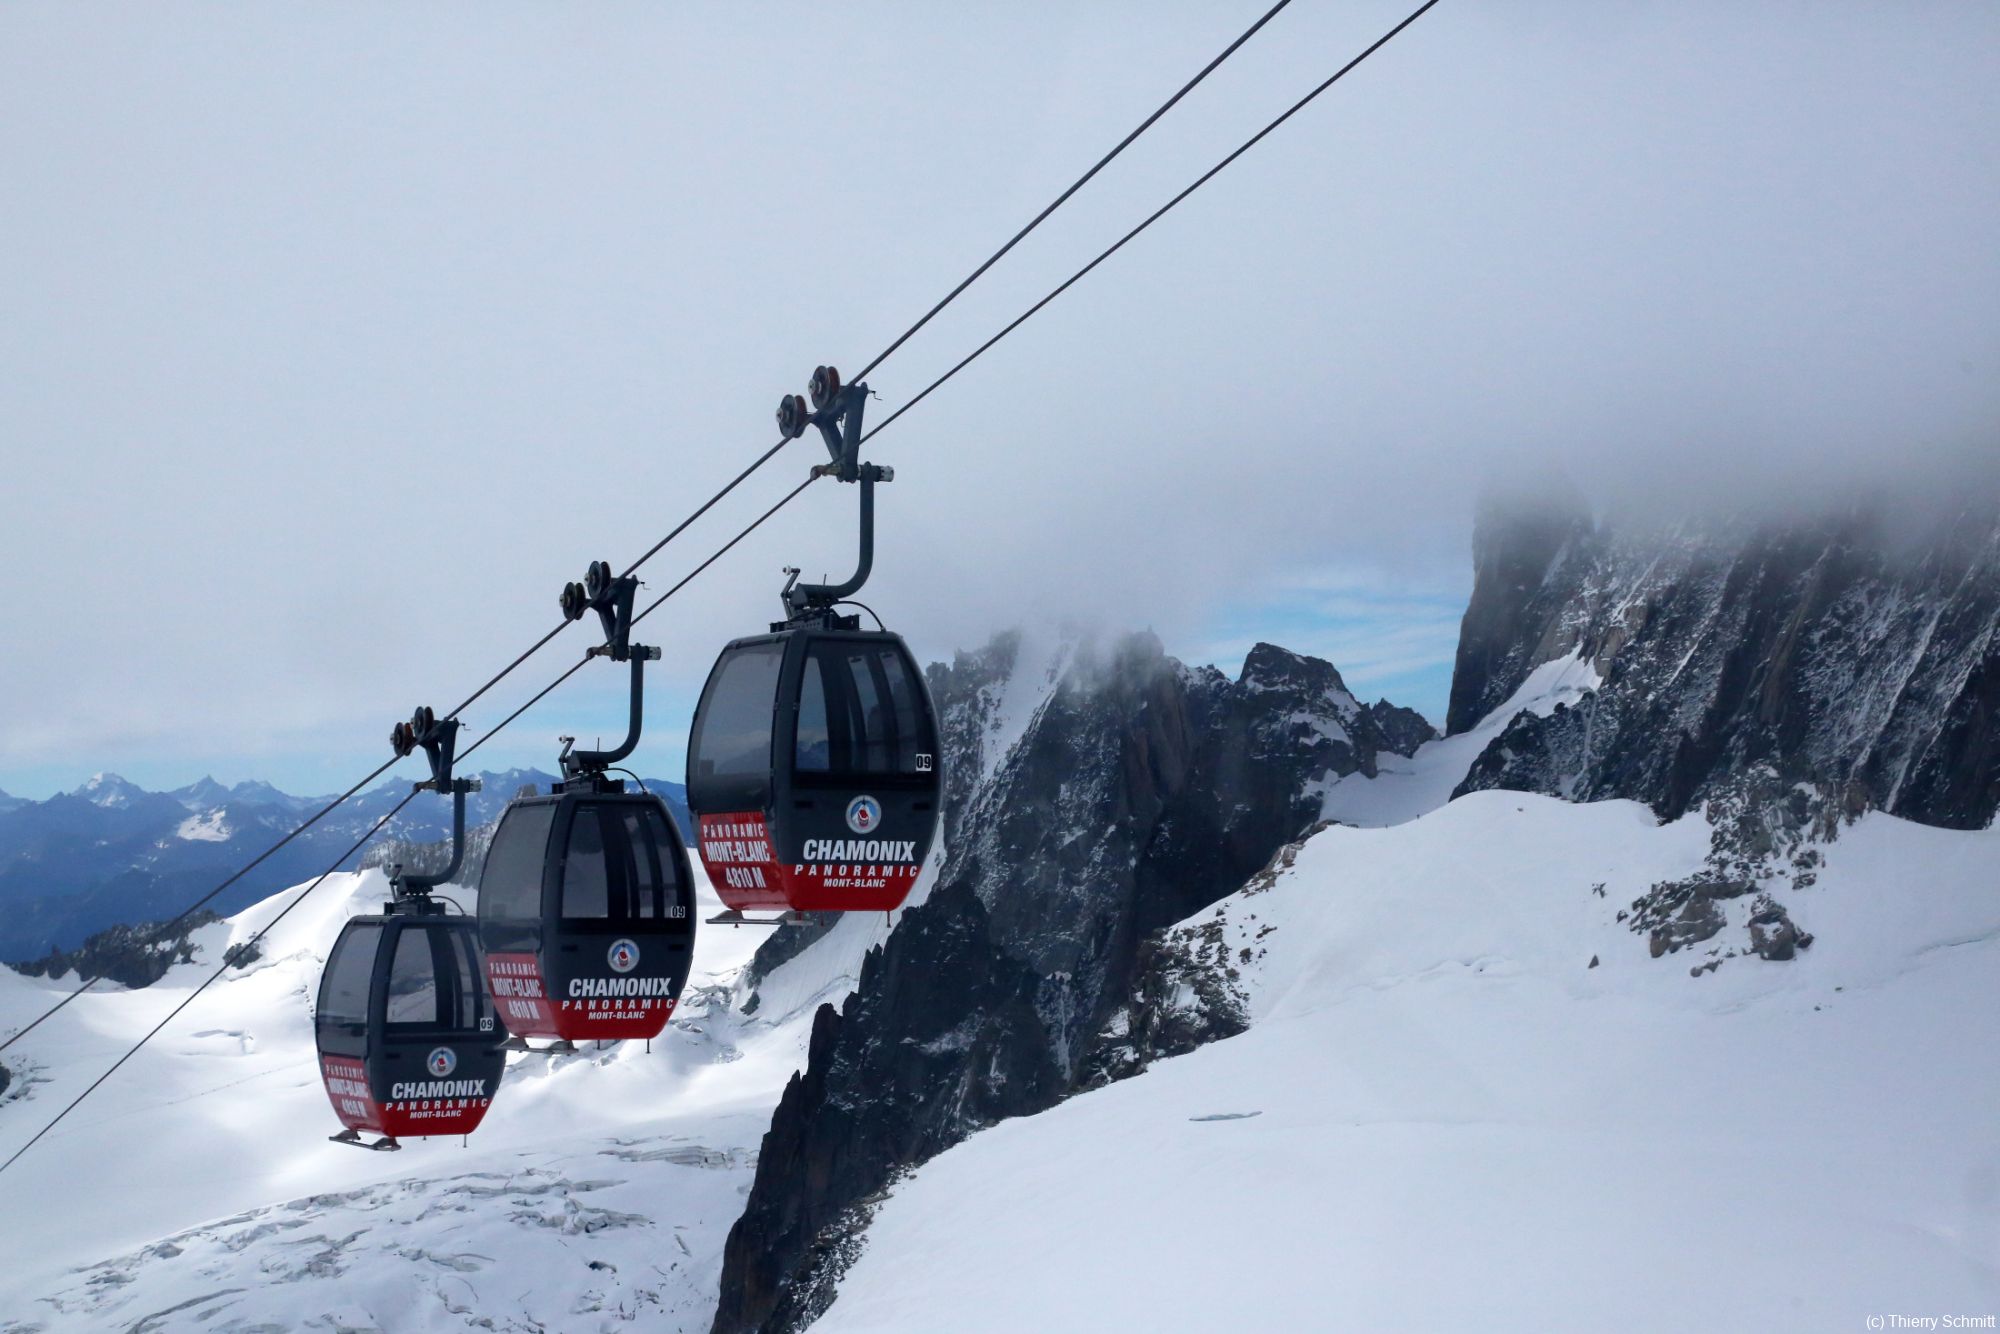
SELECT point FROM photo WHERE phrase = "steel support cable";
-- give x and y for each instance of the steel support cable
(383, 768)
(756, 464)
(205, 899)
(650, 608)
(1153, 217)
(1018, 320)
(1078, 184)
(926, 318)
(210, 980)
(974, 355)
(386, 818)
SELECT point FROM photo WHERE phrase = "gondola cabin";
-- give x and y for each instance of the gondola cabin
(813, 773)
(586, 910)
(408, 1043)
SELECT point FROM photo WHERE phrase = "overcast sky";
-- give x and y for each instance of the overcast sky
(334, 338)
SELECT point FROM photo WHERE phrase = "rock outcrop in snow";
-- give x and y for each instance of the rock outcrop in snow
(133, 956)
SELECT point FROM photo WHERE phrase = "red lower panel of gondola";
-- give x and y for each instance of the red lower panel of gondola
(424, 1107)
(737, 851)
(515, 983)
(595, 1010)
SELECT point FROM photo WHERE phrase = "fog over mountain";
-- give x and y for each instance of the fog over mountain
(335, 345)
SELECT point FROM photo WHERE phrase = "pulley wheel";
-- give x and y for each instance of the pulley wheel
(792, 414)
(825, 384)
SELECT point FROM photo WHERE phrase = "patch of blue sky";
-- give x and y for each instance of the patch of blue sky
(1392, 636)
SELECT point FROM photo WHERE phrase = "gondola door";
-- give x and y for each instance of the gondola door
(623, 921)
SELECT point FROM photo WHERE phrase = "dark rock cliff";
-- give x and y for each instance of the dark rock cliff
(940, 1037)
(1093, 796)
(1834, 651)
(1528, 555)
(132, 956)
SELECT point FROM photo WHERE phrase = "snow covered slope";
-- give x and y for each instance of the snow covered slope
(197, 1185)
(1444, 1117)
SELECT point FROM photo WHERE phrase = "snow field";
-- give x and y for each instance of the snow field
(599, 1188)
(1443, 1118)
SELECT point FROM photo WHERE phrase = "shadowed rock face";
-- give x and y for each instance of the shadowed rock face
(132, 956)
(1820, 649)
(1134, 791)
(1528, 556)
(940, 1037)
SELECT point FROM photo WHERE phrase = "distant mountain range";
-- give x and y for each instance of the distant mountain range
(111, 852)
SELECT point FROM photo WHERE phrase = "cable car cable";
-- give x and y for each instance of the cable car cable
(383, 768)
(782, 502)
(758, 463)
(637, 617)
(1071, 281)
(1154, 217)
(227, 964)
(198, 904)
(1078, 184)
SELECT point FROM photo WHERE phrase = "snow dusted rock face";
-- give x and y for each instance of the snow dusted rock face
(1138, 789)
(940, 1037)
(133, 956)
(1096, 791)
(1827, 650)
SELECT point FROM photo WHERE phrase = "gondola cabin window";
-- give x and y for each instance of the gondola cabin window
(413, 981)
(465, 998)
(859, 712)
(510, 889)
(655, 880)
(344, 997)
(586, 886)
(732, 737)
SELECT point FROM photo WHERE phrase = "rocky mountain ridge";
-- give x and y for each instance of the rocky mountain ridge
(1834, 651)
(1095, 792)
(1780, 677)
(111, 853)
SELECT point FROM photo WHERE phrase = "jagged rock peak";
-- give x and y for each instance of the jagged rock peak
(1096, 791)
(1268, 667)
(107, 789)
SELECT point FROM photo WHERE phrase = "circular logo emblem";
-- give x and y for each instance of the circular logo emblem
(863, 814)
(442, 1062)
(624, 956)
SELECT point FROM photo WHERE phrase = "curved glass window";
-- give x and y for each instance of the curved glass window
(860, 712)
(465, 1002)
(343, 990)
(586, 884)
(413, 982)
(732, 734)
(511, 885)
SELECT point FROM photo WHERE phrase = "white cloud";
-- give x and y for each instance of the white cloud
(334, 346)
